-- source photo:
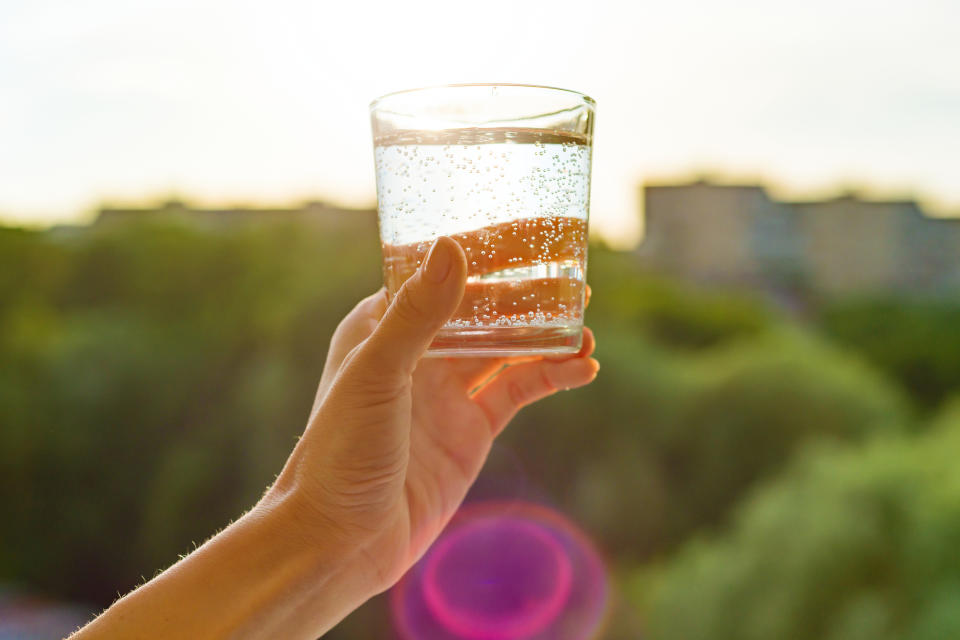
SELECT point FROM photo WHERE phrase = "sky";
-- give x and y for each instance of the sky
(227, 101)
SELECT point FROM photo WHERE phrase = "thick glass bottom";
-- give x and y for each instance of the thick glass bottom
(506, 341)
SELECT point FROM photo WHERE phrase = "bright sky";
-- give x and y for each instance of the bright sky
(225, 101)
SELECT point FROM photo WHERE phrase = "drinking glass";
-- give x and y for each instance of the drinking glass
(504, 170)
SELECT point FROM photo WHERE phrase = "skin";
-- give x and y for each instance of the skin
(393, 443)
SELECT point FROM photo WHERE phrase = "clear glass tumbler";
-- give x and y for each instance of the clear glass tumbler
(504, 170)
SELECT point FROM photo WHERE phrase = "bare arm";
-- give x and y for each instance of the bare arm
(261, 577)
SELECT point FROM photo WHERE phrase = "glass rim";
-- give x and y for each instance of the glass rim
(587, 99)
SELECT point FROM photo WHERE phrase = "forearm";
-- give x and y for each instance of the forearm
(261, 577)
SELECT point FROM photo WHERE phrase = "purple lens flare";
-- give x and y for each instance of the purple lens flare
(504, 571)
(496, 579)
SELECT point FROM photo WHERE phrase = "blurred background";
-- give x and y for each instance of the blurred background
(769, 451)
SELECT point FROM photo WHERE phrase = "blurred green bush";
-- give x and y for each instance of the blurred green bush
(848, 545)
(669, 312)
(663, 445)
(914, 341)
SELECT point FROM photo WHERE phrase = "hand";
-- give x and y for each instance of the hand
(394, 442)
(391, 447)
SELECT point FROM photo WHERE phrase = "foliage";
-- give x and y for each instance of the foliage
(669, 312)
(152, 380)
(154, 376)
(916, 341)
(848, 545)
(663, 446)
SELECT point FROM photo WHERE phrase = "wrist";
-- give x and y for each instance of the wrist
(291, 514)
(292, 510)
(262, 577)
(299, 585)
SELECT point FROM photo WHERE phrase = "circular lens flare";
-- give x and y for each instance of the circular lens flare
(504, 571)
(497, 579)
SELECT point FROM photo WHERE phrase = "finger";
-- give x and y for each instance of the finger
(419, 310)
(475, 371)
(587, 346)
(471, 373)
(517, 386)
(355, 327)
(359, 323)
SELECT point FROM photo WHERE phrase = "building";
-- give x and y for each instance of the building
(738, 234)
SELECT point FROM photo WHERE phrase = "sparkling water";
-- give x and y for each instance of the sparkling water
(517, 202)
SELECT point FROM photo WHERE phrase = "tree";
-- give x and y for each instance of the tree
(849, 544)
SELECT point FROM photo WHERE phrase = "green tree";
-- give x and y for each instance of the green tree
(849, 544)
(915, 342)
(670, 312)
(663, 445)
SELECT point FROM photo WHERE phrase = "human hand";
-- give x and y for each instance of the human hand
(395, 441)
(391, 447)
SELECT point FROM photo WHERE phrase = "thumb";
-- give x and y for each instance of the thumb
(419, 310)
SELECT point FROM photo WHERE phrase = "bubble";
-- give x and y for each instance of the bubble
(513, 181)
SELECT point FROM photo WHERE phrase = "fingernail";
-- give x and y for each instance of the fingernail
(438, 263)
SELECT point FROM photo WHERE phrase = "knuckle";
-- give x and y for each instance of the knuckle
(545, 382)
(343, 330)
(349, 360)
(370, 377)
(522, 390)
(373, 306)
(516, 393)
(406, 306)
(362, 315)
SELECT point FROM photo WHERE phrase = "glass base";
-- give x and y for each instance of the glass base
(506, 342)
